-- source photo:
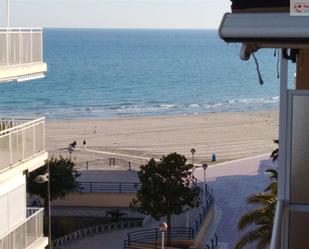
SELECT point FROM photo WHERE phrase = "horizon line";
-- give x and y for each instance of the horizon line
(110, 28)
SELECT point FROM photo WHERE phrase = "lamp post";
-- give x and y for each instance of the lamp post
(205, 166)
(163, 229)
(46, 179)
(193, 169)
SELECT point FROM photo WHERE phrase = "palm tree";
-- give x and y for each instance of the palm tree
(275, 154)
(262, 217)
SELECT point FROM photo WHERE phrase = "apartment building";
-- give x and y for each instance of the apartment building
(22, 142)
(268, 24)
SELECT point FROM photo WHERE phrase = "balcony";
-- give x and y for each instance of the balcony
(22, 140)
(21, 54)
(26, 234)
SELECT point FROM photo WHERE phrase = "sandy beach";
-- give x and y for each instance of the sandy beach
(228, 135)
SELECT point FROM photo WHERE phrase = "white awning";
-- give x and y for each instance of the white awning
(273, 30)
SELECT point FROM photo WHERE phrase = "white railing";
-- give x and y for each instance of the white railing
(25, 234)
(19, 46)
(20, 139)
(276, 233)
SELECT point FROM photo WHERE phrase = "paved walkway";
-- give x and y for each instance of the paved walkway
(232, 182)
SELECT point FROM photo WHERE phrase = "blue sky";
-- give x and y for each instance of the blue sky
(185, 14)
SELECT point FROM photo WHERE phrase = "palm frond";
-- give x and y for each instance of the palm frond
(262, 198)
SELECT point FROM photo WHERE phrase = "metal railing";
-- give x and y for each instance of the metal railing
(276, 233)
(19, 46)
(104, 228)
(98, 164)
(25, 234)
(109, 187)
(213, 243)
(20, 139)
(203, 210)
(152, 236)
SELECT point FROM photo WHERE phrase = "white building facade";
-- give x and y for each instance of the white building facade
(22, 142)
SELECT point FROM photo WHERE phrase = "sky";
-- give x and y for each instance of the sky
(160, 14)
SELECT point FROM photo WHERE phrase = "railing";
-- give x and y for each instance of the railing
(95, 230)
(25, 234)
(20, 46)
(152, 236)
(20, 139)
(102, 163)
(276, 233)
(203, 210)
(109, 187)
(213, 243)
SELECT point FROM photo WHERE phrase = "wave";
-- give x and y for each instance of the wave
(150, 109)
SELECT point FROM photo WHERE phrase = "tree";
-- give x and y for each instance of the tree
(262, 217)
(62, 177)
(166, 188)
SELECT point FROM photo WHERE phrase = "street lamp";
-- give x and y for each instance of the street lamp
(163, 229)
(40, 179)
(205, 166)
(193, 169)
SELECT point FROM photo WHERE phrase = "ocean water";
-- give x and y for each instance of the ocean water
(118, 73)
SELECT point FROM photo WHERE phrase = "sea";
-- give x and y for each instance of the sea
(106, 73)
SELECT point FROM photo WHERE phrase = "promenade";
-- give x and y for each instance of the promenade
(232, 182)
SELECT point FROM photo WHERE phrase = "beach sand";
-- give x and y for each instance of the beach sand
(228, 135)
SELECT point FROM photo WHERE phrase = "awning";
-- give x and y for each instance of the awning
(266, 30)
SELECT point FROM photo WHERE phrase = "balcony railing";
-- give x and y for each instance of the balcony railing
(25, 234)
(20, 139)
(19, 46)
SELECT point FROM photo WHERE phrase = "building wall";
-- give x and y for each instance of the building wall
(96, 200)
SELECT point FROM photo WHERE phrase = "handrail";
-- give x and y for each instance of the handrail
(27, 123)
(152, 235)
(109, 187)
(203, 210)
(58, 243)
(21, 28)
(276, 233)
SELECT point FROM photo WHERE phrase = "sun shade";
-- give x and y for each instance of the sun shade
(266, 29)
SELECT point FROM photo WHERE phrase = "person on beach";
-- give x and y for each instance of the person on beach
(84, 144)
(73, 145)
(95, 130)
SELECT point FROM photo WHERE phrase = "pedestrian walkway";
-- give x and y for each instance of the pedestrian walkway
(232, 182)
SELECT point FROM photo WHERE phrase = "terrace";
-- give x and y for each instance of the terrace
(21, 54)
